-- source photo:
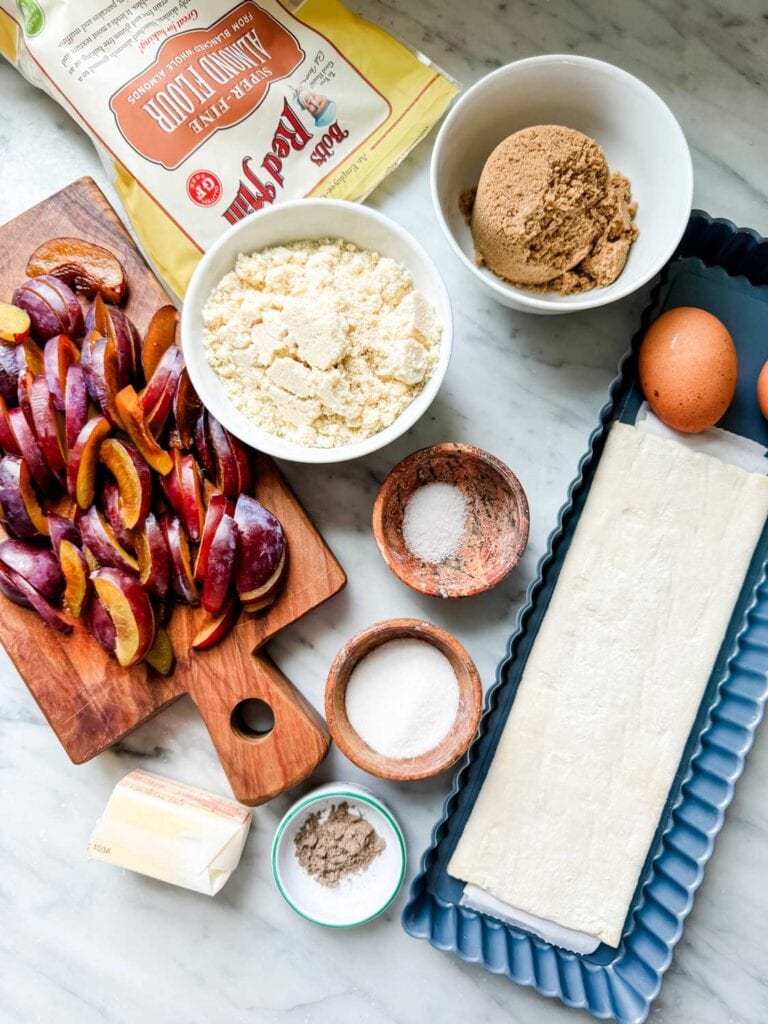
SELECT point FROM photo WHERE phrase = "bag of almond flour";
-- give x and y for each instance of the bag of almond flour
(205, 112)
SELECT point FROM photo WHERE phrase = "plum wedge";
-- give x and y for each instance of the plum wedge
(84, 266)
(130, 609)
(132, 476)
(14, 324)
(60, 528)
(52, 306)
(214, 628)
(59, 354)
(182, 577)
(75, 403)
(154, 557)
(39, 566)
(261, 552)
(218, 505)
(77, 578)
(132, 414)
(160, 655)
(99, 623)
(221, 566)
(104, 545)
(186, 409)
(83, 460)
(112, 323)
(33, 453)
(161, 334)
(184, 489)
(21, 509)
(50, 615)
(48, 423)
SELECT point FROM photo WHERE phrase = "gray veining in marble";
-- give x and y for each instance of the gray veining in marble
(82, 943)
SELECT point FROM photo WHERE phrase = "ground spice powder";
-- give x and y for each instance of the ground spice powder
(341, 844)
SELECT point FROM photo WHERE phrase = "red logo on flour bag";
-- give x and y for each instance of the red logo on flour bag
(204, 188)
(203, 80)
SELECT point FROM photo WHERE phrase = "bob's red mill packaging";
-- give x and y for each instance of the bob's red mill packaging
(206, 112)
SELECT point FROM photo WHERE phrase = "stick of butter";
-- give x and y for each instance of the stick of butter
(172, 832)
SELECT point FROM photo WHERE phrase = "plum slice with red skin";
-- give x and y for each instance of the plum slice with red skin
(19, 503)
(99, 623)
(50, 615)
(47, 313)
(102, 377)
(83, 461)
(10, 591)
(15, 324)
(113, 323)
(202, 444)
(33, 453)
(8, 441)
(29, 357)
(134, 421)
(158, 394)
(38, 565)
(82, 265)
(52, 306)
(226, 465)
(218, 505)
(75, 404)
(220, 566)
(184, 491)
(186, 409)
(161, 334)
(9, 373)
(46, 420)
(182, 578)
(76, 576)
(102, 541)
(59, 354)
(60, 528)
(214, 628)
(128, 605)
(132, 476)
(109, 503)
(153, 556)
(23, 393)
(261, 550)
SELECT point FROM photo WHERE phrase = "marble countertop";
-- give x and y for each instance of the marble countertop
(82, 943)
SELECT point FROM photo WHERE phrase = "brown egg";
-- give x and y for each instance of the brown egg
(688, 368)
(762, 391)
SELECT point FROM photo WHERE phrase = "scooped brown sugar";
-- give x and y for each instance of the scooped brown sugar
(548, 213)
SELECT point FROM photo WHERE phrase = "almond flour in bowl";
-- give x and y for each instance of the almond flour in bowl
(322, 343)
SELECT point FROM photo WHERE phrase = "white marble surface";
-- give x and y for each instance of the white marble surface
(81, 942)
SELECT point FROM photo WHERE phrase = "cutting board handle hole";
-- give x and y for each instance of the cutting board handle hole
(253, 719)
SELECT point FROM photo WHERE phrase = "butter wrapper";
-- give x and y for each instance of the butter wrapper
(172, 832)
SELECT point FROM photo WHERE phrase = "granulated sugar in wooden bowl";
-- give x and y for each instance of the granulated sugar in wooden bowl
(403, 700)
(451, 520)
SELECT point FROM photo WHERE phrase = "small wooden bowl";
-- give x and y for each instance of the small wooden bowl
(450, 749)
(496, 525)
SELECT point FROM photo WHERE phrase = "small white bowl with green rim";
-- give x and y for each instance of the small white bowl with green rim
(360, 897)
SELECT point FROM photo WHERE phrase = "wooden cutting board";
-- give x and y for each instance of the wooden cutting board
(89, 700)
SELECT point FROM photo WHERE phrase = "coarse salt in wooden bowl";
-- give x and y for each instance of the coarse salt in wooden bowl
(496, 524)
(455, 742)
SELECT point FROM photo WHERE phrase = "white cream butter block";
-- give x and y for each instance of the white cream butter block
(172, 832)
(567, 812)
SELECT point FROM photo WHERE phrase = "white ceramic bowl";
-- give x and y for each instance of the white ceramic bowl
(289, 222)
(358, 898)
(635, 128)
